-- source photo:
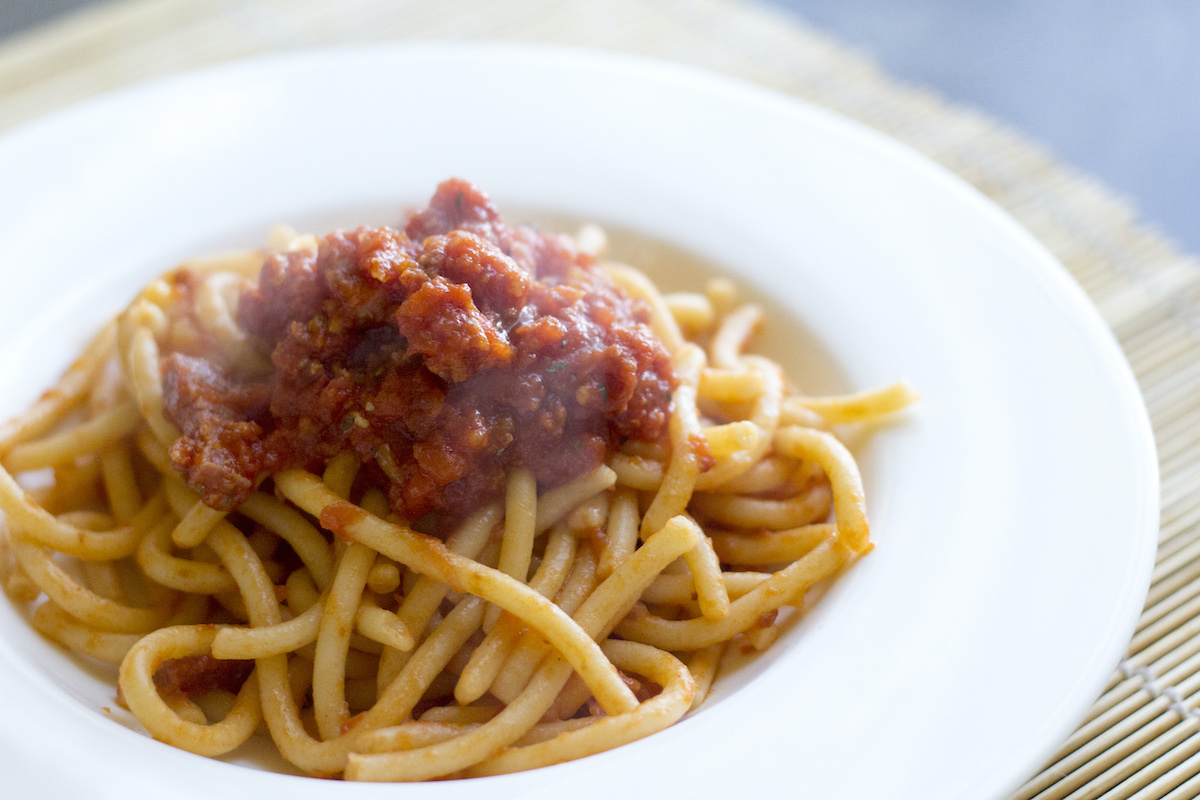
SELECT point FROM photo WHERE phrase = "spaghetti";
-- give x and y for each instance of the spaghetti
(443, 502)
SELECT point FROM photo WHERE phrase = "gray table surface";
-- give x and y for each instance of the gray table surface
(1111, 87)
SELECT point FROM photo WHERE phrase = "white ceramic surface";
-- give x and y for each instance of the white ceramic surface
(1014, 510)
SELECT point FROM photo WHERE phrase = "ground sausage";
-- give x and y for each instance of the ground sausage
(444, 355)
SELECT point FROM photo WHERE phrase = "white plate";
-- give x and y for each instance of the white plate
(1015, 510)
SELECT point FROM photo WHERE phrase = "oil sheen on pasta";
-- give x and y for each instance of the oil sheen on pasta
(444, 355)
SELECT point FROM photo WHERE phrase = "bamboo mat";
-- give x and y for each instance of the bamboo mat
(1142, 738)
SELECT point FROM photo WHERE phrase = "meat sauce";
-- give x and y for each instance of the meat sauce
(444, 355)
(193, 675)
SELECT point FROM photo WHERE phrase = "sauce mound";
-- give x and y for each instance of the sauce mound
(443, 355)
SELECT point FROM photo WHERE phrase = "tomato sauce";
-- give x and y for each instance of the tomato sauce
(444, 355)
(195, 675)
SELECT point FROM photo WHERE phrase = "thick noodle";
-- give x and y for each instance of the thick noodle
(557, 622)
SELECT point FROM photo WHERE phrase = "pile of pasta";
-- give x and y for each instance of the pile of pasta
(555, 623)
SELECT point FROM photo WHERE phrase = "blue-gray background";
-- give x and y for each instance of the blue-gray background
(1111, 87)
